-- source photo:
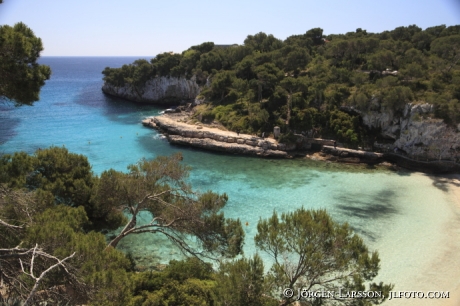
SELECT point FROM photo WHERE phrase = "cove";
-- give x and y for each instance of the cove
(411, 219)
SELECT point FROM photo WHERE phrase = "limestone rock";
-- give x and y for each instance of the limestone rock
(161, 90)
(416, 133)
(217, 140)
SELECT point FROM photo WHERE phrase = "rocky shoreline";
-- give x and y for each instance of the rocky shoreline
(180, 131)
(214, 139)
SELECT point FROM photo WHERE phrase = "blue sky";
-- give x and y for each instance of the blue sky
(148, 27)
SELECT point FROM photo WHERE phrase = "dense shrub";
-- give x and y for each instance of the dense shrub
(369, 71)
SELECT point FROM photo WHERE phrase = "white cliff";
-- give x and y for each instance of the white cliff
(161, 90)
(417, 132)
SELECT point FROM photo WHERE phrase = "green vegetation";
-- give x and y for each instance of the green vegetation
(53, 211)
(53, 208)
(46, 255)
(314, 253)
(302, 82)
(58, 177)
(20, 76)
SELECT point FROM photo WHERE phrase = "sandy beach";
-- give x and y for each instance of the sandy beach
(442, 273)
(453, 182)
(454, 186)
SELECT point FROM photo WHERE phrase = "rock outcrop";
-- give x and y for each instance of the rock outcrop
(227, 147)
(344, 155)
(425, 137)
(416, 132)
(159, 90)
(216, 140)
(349, 155)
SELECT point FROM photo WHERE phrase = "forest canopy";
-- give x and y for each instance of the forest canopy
(304, 82)
(21, 77)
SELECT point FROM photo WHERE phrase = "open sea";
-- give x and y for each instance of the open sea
(410, 218)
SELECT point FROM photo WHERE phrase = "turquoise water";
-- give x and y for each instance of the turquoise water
(403, 215)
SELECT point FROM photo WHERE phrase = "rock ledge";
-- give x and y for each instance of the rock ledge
(216, 140)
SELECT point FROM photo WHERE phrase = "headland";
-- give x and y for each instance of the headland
(181, 129)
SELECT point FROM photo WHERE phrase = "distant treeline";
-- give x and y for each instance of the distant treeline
(300, 83)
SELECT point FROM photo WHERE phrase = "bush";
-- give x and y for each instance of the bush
(287, 138)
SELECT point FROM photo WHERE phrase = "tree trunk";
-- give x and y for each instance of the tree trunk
(288, 115)
(454, 62)
(259, 92)
(131, 224)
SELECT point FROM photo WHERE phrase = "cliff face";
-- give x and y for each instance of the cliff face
(416, 132)
(160, 90)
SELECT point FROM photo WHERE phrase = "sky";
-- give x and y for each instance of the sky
(149, 27)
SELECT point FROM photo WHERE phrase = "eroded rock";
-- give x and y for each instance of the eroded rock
(214, 139)
(159, 90)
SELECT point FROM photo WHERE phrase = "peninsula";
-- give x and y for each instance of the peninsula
(181, 133)
(394, 92)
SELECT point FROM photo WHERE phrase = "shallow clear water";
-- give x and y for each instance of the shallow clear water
(405, 216)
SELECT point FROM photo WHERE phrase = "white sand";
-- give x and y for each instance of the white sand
(437, 266)
(454, 190)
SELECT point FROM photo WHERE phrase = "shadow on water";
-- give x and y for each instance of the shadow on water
(115, 109)
(8, 128)
(403, 172)
(365, 233)
(380, 205)
(61, 104)
(7, 124)
(443, 183)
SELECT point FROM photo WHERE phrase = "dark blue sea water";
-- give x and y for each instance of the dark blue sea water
(392, 211)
